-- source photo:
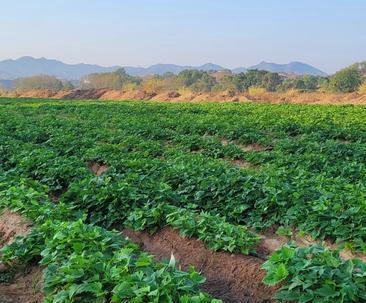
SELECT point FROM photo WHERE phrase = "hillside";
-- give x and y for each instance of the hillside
(297, 68)
(160, 69)
(29, 66)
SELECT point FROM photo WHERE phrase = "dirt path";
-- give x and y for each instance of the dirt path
(230, 277)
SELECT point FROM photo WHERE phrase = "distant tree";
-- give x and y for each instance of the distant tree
(153, 84)
(346, 81)
(271, 81)
(167, 75)
(226, 84)
(38, 82)
(199, 81)
(310, 83)
(240, 82)
(67, 85)
(252, 78)
(303, 83)
(361, 67)
(113, 80)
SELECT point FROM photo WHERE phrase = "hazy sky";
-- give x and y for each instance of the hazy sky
(329, 34)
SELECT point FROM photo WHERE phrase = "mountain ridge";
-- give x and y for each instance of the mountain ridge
(301, 68)
(28, 66)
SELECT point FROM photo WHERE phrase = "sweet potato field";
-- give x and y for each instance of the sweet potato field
(267, 202)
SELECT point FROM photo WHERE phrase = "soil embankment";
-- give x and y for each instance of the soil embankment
(227, 96)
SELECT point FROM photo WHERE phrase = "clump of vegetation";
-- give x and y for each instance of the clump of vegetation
(41, 82)
(362, 88)
(87, 263)
(306, 83)
(315, 274)
(346, 80)
(213, 230)
(113, 80)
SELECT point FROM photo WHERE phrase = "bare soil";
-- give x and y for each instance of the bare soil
(173, 96)
(242, 164)
(26, 287)
(98, 169)
(11, 226)
(255, 147)
(56, 194)
(230, 277)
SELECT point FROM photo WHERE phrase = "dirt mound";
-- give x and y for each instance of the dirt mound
(11, 226)
(230, 277)
(167, 96)
(174, 96)
(86, 94)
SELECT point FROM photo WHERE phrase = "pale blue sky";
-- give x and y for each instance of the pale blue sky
(329, 34)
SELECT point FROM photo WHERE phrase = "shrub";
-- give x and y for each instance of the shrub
(362, 88)
(256, 91)
(38, 82)
(113, 80)
(347, 80)
(153, 84)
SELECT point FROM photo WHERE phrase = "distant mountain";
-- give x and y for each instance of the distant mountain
(297, 68)
(160, 69)
(239, 70)
(7, 84)
(5, 75)
(29, 66)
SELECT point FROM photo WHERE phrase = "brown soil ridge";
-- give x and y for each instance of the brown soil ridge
(173, 96)
(12, 225)
(230, 277)
(27, 284)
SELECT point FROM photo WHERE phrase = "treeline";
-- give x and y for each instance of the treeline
(42, 82)
(202, 81)
(350, 79)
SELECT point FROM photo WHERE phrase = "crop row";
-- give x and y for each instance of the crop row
(313, 179)
(87, 263)
(170, 162)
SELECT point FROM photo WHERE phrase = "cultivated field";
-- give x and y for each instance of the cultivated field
(114, 201)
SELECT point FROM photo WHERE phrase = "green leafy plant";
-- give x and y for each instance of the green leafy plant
(315, 274)
(211, 229)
